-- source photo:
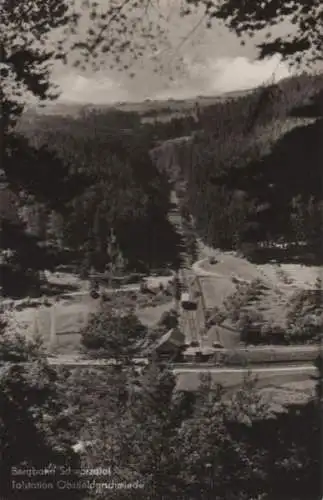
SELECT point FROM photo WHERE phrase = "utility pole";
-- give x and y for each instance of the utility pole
(177, 291)
(52, 313)
(112, 256)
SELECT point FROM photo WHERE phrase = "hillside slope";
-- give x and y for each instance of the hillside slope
(253, 173)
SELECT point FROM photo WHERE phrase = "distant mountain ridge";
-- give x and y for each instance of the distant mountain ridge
(70, 108)
(151, 109)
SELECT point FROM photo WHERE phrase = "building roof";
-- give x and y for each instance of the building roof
(225, 334)
(173, 338)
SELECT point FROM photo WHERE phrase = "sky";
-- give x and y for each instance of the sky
(212, 61)
(213, 76)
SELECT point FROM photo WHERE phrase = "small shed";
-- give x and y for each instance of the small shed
(171, 343)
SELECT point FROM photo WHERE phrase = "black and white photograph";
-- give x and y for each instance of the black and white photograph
(161, 211)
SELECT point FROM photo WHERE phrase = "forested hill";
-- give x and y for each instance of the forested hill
(251, 165)
(125, 193)
(253, 169)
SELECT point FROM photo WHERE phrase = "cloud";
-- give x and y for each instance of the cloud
(211, 76)
(225, 74)
(95, 89)
(241, 73)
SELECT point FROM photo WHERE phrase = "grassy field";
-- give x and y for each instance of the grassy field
(59, 323)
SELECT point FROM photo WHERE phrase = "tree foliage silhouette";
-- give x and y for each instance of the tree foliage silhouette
(303, 44)
(26, 56)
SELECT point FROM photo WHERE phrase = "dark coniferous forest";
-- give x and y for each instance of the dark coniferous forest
(245, 178)
(93, 194)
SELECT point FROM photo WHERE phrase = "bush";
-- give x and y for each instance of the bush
(273, 334)
(250, 324)
(214, 317)
(110, 334)
(234, 304)
(305, 316)
(94, 294)
(169, 320)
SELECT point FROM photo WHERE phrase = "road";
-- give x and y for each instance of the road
(180, 368)
(190, 378)
(189, 375)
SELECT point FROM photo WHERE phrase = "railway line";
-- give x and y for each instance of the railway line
(266, 363)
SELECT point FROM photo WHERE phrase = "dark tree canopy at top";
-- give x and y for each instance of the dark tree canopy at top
(246, 17)
(25, 52)
(35, 33)
(123, 27)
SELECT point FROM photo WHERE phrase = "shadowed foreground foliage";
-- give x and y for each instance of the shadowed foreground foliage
(133, 422)
(202, 445)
